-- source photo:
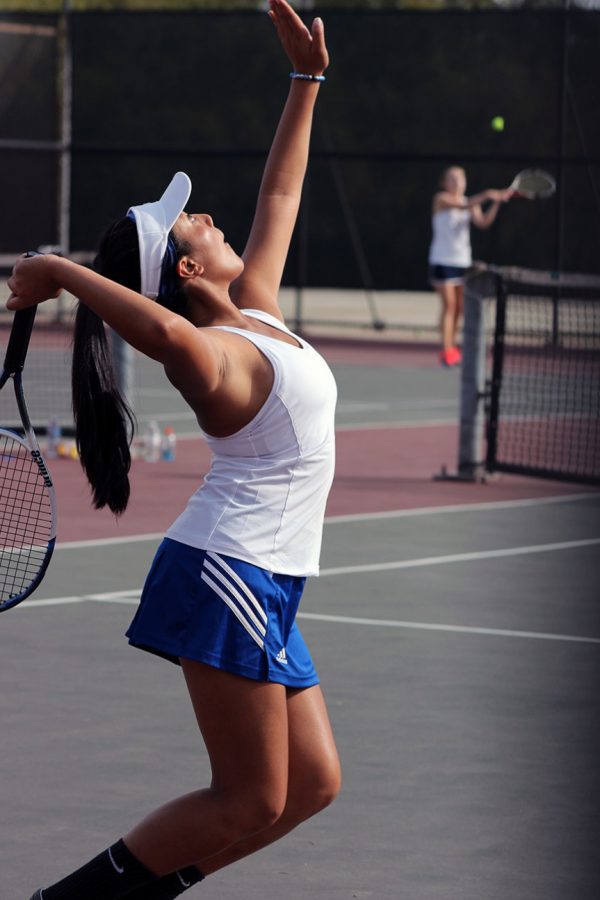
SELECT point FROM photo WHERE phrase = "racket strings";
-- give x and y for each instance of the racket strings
(534, 182)
(26, 520)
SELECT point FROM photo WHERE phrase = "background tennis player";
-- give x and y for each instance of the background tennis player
(450, 250)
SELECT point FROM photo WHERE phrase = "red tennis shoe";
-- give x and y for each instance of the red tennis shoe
(450, 357)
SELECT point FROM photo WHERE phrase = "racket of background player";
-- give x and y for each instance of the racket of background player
(533, 184)
(27, 497)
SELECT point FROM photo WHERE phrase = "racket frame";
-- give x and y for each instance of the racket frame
(534, 195)
(16, 352)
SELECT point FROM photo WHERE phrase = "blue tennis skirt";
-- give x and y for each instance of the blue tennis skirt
(223, 612)
(442, 274)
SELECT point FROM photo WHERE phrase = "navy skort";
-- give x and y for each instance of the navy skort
(441, 274)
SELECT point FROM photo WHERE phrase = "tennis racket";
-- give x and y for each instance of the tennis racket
(533, 184)
(27, 497)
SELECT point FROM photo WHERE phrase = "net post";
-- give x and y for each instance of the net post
(472, 387)
(479, 286)
(496, 380)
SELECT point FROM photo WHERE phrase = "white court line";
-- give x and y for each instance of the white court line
(460, 629)
(458, 557)
(361, 517)
(127, 597)
(378, 567)
(342, 406)
(462, 507)
(50, 601)
(409, 423)
(357, 405)
(195, 435)
(131, 598)
(108, 542)
(349, 426)
(360, 406)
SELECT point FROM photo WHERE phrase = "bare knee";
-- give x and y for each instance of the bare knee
(315, 790)
(262, 811)
(248, 813)
(327, 786)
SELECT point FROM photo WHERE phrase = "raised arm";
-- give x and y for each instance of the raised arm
(147, 326)
(281, 186)
(483, 218)
(445, 200)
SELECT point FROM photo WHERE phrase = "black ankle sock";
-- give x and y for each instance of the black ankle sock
(168, 887)
(110, 876)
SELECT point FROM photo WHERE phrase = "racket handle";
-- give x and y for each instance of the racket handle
(18, 342)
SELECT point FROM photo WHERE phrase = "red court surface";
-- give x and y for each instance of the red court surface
(378, 469)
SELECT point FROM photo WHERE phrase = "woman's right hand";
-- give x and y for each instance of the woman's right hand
(306, 49)
(32, 281)
(497, 196)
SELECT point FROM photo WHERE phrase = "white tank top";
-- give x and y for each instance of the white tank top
(263, 499)
(451, 244)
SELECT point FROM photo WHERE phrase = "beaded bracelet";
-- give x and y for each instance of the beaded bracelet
(307, 77)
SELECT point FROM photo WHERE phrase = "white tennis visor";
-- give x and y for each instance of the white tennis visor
(154, 222)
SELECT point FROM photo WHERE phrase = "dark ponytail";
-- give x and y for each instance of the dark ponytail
(104, 423)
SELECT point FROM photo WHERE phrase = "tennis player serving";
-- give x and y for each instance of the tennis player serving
(222, 593)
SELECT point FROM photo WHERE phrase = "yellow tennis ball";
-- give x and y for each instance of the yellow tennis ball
(497, 123)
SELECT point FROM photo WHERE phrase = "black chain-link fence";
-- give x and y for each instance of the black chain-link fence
(408, 93)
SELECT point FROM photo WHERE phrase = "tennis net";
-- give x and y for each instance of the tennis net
(542, 410)
(47, 374)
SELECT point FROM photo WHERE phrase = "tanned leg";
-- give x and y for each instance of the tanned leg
(244, 724)
(447, 293)
(458, 311)
(314, 776)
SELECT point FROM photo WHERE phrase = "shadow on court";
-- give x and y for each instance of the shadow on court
(456, 631)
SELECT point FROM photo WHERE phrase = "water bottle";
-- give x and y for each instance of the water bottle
(152, 442)
(54, 434)
(169, 441)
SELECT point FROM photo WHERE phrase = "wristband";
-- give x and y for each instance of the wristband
(303, 77)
